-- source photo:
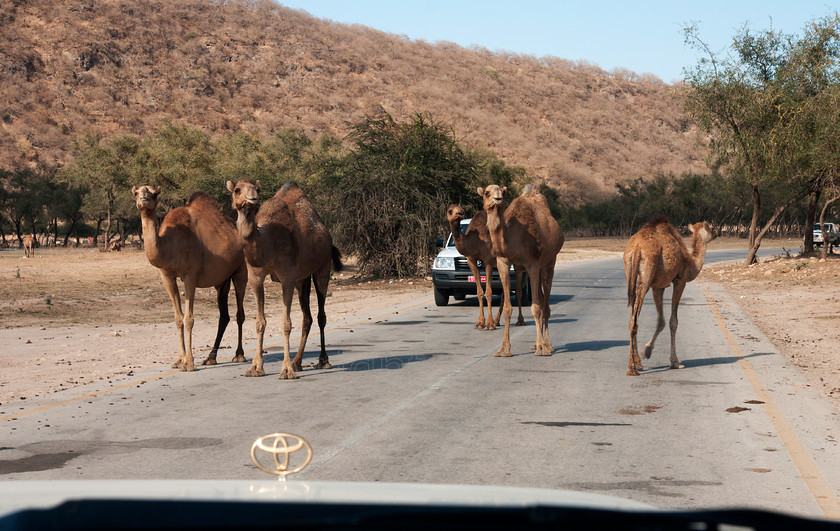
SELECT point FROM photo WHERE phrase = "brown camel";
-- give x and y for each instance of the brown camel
(28, 246)
(198, 245)
(475, 245)
(524, 233)
(285, 238)
(654, 258)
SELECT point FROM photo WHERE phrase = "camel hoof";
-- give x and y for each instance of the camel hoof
(502, 353)
(677, 365)
(491, 326)
(240, 358)
(520, 322)
(287, 374)
(324, 365)
(177, 364)
(254, 372)
(543, 352)
(188, 368)
(648, 352)
(632, 372)
(209, 361)
(297, 366)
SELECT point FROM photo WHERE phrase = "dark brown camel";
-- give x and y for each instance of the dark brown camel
(475, 246)
(285, 238)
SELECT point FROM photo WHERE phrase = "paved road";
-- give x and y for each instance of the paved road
(416, 395)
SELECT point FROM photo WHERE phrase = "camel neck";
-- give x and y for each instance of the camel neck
(249, 232)
(151, 238)
(498, 231)
(698, 255)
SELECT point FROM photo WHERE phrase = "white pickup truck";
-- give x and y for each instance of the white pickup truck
(832, 237)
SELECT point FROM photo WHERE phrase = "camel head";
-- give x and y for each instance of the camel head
(454, 213)
(246, 194)
(493, 196)
(703, 230)
(146, 197)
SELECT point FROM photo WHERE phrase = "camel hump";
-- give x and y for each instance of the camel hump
(291, 185)
(660, 219)
(202, 200)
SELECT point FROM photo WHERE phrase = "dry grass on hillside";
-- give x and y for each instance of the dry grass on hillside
(122, 66)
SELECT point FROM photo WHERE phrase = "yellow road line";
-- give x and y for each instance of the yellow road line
(164, 375)
(820, 489)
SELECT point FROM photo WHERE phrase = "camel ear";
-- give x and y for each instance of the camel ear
(691, 228)
(480, 191)
(230, 186)
(504, 190)
(134, 190)
(157, 191)
(257, 184)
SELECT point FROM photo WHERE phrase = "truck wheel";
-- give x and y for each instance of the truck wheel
(441, 297)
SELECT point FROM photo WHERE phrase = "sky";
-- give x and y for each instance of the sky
(644, 36)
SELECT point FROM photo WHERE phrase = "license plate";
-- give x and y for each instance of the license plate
(471, 278)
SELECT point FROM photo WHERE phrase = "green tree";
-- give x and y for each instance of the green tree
(387, 198)
(751, 102)
(105, 169)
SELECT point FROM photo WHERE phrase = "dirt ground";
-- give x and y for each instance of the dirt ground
(70, 317)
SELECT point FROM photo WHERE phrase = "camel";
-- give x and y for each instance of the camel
(286, 239)
(524, 233)
(198, 245)
(28, 246)
(475, 245)
(654, 258)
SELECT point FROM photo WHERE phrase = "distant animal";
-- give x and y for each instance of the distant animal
(28, 246)
(198, 245)
(654, 258)
(116, 246)
(524, 233)
(285, 238)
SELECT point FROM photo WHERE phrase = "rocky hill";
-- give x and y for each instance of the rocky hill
(123, 66)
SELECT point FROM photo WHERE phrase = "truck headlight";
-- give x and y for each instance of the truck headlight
(444, 262)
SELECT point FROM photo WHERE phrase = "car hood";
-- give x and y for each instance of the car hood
(20, 495)
(450, 252)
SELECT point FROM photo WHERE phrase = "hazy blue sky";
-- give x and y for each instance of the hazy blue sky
(644, 36)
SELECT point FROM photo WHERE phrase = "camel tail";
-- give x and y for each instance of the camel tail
(336, 258)
(631, 269)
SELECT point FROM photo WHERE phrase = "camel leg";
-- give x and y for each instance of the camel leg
(172, 288)
(321, 293)
(479, 291)
(240, 283)
(658, 294)
(675, 305)
(304, 289)
(258, 287)
(189, 320)
(539, 346)
(491, 323)
(635, 363)
(504, 273)
(288, 371)
(519, 275)
(546, 279)
(222, 292)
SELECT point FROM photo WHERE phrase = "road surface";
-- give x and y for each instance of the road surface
(416, 395)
